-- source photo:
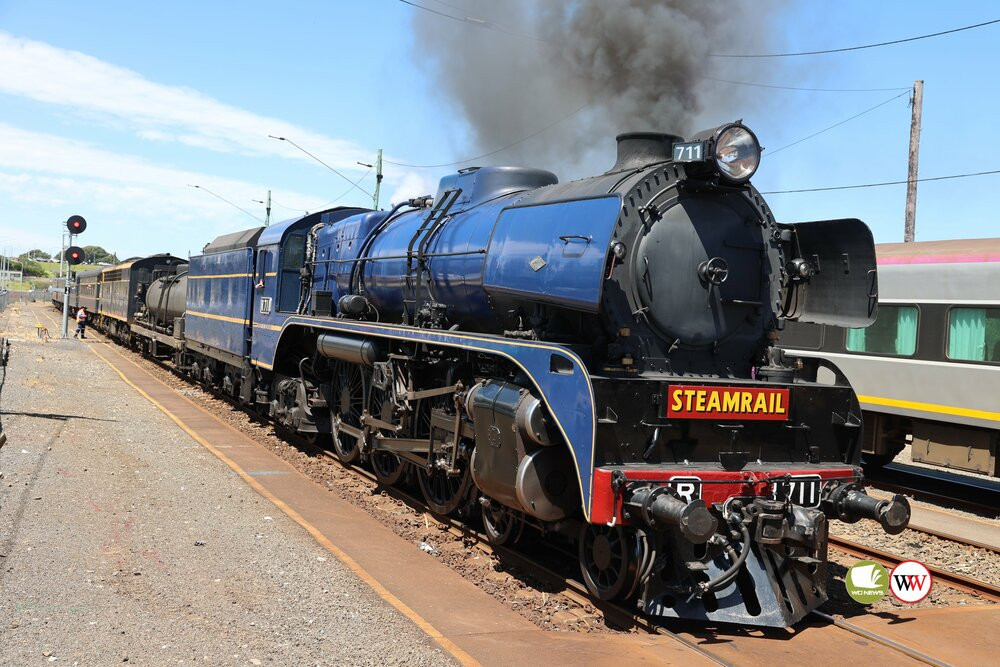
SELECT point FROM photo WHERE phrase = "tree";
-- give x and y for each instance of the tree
(97, 255)
(30, 268)
(37, 254)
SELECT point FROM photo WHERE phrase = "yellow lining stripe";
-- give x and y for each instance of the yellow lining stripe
(271, 275)
(270, 327)
(221, 275)
(261, 364)
(222, 318)
(931, 407)
(384, 593)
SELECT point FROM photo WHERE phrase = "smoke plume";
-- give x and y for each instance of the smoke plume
(512, 67)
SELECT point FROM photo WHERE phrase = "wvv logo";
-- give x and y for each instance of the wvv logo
(910, 581)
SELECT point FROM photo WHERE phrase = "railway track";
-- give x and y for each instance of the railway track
(973, 494)
(618, 615)
(615, 615)
(952, 537)
(975, 587)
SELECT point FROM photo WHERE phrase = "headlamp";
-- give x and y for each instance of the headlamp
(731, 151)
(736, 153)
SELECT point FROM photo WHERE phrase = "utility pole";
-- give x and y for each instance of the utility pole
(65, 313)
(378, 177)
(911, 177)
(267, 217)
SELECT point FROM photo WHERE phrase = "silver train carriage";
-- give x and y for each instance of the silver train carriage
(927, 372)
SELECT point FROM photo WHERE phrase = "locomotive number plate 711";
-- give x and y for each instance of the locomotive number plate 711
(754, 403)
(691, 151)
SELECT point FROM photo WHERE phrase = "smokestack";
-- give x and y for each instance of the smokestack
(638, 149)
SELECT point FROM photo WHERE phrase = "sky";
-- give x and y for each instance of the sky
(112, 110)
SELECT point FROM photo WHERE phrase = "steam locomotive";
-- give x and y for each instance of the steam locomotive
(594, 358)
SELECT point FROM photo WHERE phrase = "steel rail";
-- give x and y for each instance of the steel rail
(879, 639)
(955, 580)
(933, 532)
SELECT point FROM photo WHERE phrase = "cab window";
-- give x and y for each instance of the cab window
(974, 334)
(893, 333)
(293, 254)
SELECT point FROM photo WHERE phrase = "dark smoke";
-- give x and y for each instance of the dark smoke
(511, 67)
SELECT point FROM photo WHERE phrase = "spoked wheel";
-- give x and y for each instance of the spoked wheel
(502, 524)
(609, 561)
(445, 493)
(388, 467)
(348, 403)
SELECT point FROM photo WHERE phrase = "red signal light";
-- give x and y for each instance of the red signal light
(73, 255)
(76, 224)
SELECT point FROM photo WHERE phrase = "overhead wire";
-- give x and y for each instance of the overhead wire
(846, 120)
(199, 187)
(289, 208)
(348, 190)
(808, 90)
(332, 201)
(884, 183)
(853, 48)
(354, 184)
(472, 20)
(584, 106)
(483, 23)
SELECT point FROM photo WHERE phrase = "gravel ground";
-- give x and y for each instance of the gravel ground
(123, 540)
(981, 564)
(537, 601)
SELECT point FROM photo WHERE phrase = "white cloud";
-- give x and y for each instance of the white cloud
(154, 111)
(412, 185)
(143, 207)
(24, 150)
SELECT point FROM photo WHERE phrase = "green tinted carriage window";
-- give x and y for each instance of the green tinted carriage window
(894, 332)
(974, 334)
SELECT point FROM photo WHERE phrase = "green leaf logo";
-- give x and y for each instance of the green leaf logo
(867, 582)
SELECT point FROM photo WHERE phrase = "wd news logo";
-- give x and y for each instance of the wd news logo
(868, 582)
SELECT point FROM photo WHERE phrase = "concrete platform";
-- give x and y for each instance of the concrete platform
(123, 539)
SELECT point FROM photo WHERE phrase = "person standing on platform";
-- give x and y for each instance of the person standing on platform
(81, 323)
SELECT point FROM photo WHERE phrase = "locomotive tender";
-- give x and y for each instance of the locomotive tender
(593, 358)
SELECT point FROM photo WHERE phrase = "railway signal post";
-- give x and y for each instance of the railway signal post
(73, 255)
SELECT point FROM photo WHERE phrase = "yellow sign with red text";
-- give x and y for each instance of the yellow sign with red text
(754, 403)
